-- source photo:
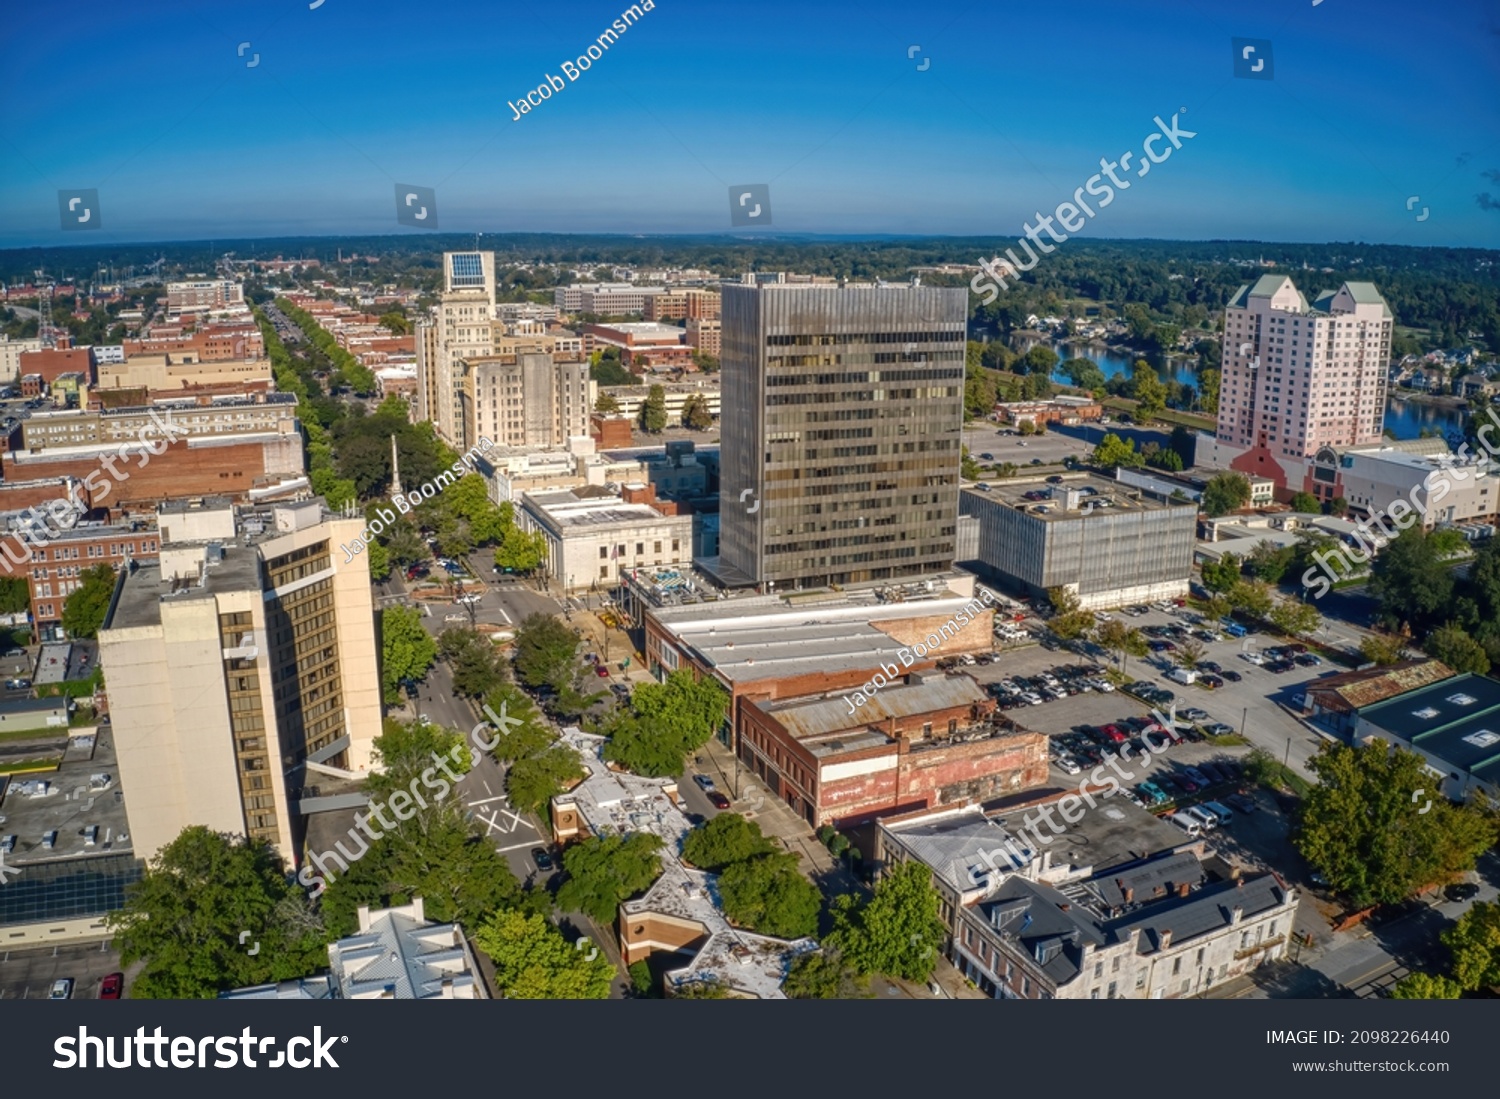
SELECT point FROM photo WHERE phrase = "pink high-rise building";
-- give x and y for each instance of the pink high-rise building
(1299, 377)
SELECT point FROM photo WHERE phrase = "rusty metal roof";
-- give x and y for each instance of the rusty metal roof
(1354, 690)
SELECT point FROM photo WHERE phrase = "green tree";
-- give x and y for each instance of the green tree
(768, 894)
(1036, 387)
(534, 781)
(695, 413)
(184, 917)
(1083, 373)
(1224, 493)
(1366, 825)
(725, 839)
(1474, 942)
(1189, 653)
(1041, 359)
(407, 649)
(1295, 618)
(897, 932)
(980, 394)
(15, 594)
(1223, 574)
(606, 403)
(666, 722)
(1118, 638)
(968, 467)
(1270, 562)
(654, 411)
(1305, 502)
(1069, 622)
(1114, 451)
(1148, 390)
(1413, 583)
(545, 652)
(605, 871)
(395, 323)
(1425, 986)
(1457, 649)
(1253, 597)
(1166, 459)
(477, 666)
(1382, 649)
(1338, 507)
(534, 962)
(823, 975)
(85, 608)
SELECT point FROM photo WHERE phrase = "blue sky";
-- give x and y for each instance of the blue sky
(1373, 101)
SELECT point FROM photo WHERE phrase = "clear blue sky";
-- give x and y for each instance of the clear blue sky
(1372, 101)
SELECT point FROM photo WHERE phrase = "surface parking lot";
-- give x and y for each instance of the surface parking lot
(1253, 706)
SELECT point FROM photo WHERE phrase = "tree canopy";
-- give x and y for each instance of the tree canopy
(1377, 828)
(897, 932)
(183, 919)
(85, 608)
(407, 649)
(665, 723)
(1225, 492)
(1114, 451)
(534, 962)
(545, 649)
(768, 894)
(604, 871)
(724, 839)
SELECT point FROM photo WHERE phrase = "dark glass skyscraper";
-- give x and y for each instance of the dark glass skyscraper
(841, 429)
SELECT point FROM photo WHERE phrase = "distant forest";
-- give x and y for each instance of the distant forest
(1452, 293)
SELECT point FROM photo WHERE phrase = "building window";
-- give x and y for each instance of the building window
(604, 553)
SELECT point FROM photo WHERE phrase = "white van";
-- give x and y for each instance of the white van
(1186, 823)
(1186, 676)
(1206, 817)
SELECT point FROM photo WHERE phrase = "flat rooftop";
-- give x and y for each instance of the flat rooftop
(964, 848)
(1098, 496)
(569, 512)
(1456, 720)
(755, 637)
(140, 597)
(72, 802)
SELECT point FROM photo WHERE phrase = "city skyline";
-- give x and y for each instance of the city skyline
(852, 136)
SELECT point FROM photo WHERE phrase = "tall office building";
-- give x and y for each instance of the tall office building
(1298, 377)
(459, 327)
(247, 653)
(842, 415)
(534, 391)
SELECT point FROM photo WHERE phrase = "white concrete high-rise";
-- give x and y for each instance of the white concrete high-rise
(1298, 377)
(460, 327)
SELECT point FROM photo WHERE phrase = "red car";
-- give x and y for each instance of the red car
(601, 670)
(1115, 734)
(112, 986)
(718, 800)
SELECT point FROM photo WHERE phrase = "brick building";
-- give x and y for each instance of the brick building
(932, 740)
(56, 565)
(51, 362)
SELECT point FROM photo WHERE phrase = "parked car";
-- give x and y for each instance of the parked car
(1307, 660)
(541, 860)
(601, 670)
(62, 989)
(1232, 675)
(1186, 823)
(1212, 682)
(718, 800)
(1192, 713)
(1242, 803)
(1461, 891)
(704, 783)
(17, 684)
(112, 986)
(1065, 763)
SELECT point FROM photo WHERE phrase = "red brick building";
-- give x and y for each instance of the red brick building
(51, 362)
(610, 431)
(54, 565)
(928, 741)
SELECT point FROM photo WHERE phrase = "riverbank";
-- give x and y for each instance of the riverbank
(1437, 400)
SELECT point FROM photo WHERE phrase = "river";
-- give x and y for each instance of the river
(1406, 418)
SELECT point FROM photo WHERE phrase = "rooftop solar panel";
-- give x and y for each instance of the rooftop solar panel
(466, 269)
